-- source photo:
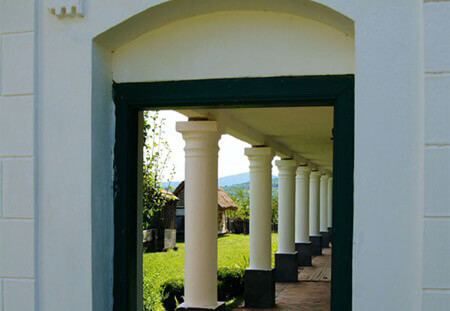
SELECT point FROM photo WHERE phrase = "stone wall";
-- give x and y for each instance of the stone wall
(436, 258)
(17, 156)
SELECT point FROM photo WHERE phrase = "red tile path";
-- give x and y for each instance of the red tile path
(304, 295)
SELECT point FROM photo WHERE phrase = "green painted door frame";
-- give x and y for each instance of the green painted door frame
(299, 91)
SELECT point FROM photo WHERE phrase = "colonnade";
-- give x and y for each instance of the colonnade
(304, 219)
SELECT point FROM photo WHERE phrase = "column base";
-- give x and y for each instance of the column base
(330, 230)
(304, 251)
(325, 239)
(316, 245)
(259, 288)
(286, 267)
(220, 307)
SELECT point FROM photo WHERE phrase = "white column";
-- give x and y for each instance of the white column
(323, 203)
(302, 204)
(286, 205)
(314, 212)
(201, 152)
(330, 203)
(260, 207)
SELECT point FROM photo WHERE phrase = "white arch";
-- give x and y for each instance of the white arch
(170, 11)
(231, 44)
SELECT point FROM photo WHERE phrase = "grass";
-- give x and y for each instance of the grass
(233, 251)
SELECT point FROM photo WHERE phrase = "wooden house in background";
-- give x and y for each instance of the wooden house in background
(224, 203)
(163, 237)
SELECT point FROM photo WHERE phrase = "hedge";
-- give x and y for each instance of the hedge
(230, 284)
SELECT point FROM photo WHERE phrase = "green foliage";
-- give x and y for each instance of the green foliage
(274, 209)
(230, 284)
(156, 165)
(246, 185)
(159, 268)
(241, 196)
(242, 199)
(172, 293)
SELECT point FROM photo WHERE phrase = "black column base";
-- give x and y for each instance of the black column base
(259, 288)
(325, 239)
(286, 267)
(220, 307)
(316, 242)
(304, 251)
(330, 230)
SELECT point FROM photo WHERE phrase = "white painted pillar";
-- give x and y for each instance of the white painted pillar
(330, 203)
(314, 212)
(286, 205)
(201, 152)
(260, 207)
(323, 203)
(302, 204)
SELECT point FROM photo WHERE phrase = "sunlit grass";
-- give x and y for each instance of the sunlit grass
(233, 251)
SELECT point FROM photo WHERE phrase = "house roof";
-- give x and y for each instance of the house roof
(224, 202)
(169, 195)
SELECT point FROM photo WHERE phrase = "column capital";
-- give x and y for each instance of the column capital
(286, 168)
(259, 152)
(260, 158)
(197, 126)
(324, 178)
(315, 175)
(201, 137)
(286, 164)
(303, 171)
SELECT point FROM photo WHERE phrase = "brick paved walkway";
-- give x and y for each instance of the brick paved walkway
(306, 295)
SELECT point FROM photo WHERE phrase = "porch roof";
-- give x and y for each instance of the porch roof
(301, 133)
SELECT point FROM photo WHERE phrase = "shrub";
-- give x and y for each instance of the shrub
(230, 283)
(172, 293)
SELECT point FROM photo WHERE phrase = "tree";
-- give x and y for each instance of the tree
(241, 198)
(275, 209)
(156, 166)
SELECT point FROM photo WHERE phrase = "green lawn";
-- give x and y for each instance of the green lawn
(160, 267)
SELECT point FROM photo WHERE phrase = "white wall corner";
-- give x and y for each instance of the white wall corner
(66, 8)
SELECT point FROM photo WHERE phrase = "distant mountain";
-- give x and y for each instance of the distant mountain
(225, 181)
(172, 184)
(234, 179)
(246, 186)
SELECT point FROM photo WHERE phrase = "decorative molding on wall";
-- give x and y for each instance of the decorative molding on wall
(67, 8)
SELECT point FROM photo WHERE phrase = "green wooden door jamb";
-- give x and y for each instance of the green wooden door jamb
(298, 91)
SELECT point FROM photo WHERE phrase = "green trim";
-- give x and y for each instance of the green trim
(342, 229)
(303, 91)
(125, 219)
(229, 93)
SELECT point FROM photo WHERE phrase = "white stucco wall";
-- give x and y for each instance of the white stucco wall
(64, 127)
(436, 217)
(235, 44)
(17, 156)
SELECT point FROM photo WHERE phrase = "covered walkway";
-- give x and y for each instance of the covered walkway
(311, 293)
(304, 202)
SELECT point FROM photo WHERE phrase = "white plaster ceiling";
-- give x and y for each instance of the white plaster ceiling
(303, 133)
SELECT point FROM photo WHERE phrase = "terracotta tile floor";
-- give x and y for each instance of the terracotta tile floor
(305, 295)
